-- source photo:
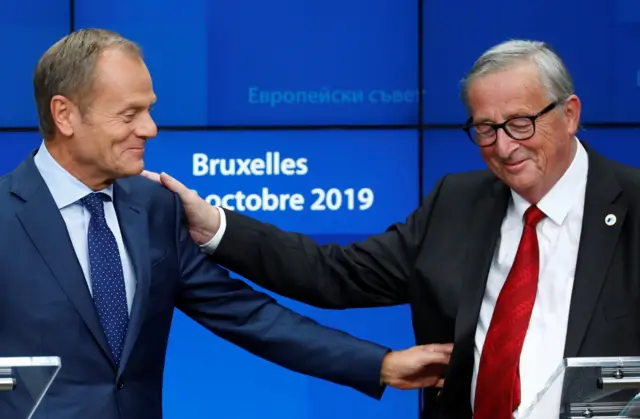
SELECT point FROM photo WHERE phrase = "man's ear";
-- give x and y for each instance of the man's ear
(572, 109)
(62, 110)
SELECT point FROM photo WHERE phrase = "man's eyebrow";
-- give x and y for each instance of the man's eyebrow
(137, 106)
(515, 114)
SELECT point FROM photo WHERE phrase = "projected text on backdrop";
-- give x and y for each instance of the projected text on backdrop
(320, 182)
(270, 63)
(264, 199)
(326, 96)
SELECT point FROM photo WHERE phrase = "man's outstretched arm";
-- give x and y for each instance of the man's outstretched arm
(371, 273)
(257, 323)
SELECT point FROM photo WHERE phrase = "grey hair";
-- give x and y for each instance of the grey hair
(67, 68)
(554, 75)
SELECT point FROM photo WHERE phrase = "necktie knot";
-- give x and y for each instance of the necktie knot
(533, 216)
(94, 203)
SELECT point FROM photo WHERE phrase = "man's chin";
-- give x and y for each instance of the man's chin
(521, 183)
(134, 169)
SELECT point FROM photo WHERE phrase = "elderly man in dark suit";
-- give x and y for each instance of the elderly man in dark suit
(520, 265)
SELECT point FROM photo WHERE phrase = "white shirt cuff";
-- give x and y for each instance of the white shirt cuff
(211, 246)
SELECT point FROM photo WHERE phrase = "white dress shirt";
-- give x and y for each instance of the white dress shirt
(67, 192)
(558, 240)
(212, 244)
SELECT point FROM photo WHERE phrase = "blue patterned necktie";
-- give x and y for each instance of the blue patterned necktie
(107, 279)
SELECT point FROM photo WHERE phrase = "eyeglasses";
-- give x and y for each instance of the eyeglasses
(519, 128)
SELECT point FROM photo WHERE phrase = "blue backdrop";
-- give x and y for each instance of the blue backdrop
(598, 41)
(309, 115)
(273, 62)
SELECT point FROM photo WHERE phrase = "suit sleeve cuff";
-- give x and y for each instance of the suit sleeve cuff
(376, 389)
(211, 246)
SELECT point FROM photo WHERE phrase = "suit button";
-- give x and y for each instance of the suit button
(120, 385)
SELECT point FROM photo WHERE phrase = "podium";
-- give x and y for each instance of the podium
(589, 388)
(24, 382)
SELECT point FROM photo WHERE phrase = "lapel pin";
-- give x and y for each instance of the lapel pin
(610, 220)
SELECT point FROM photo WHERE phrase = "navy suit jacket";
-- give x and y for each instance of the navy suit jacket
(46, 308)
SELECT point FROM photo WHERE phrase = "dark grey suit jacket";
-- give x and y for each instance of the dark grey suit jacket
(438, 260)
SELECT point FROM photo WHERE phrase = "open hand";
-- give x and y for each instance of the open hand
(203, 219)
(417, 367)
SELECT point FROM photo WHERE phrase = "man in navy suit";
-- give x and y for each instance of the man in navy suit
(95, 258)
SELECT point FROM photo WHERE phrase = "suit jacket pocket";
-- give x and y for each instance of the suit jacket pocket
(157, 256)
(619, 310)
(164, 274)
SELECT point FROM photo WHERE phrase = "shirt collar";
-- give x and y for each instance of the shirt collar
(557, 203)
(65, 189)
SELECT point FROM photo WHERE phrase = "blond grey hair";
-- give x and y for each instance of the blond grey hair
(67, 68)
(553, 73)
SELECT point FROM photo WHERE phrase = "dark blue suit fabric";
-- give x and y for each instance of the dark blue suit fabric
(46, 308)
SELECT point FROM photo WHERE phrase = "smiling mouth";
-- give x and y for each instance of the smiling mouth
(515, 166)
(514, 163)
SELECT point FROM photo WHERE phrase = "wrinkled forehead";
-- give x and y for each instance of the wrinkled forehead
(509, 92)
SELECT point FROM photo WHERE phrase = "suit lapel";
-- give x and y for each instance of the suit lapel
(485, 223)
(483, 236)
(42, 221)
(597, 244)
(132, 219)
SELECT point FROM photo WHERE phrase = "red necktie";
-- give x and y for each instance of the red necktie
(498, 385)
